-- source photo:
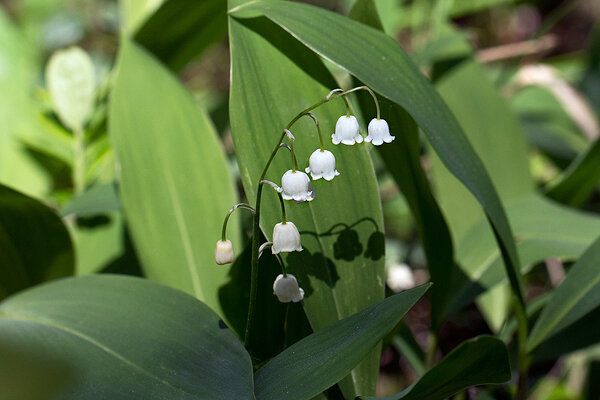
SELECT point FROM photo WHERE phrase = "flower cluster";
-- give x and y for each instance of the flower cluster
(296, 185)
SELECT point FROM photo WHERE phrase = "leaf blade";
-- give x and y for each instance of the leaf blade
(318, 361)
(175, 184)
(93, 326)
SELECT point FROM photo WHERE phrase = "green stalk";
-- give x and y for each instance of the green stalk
(78, 170)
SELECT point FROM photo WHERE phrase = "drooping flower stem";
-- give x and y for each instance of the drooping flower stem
(368, 89)
(235, 207)
(314, 118)
(283, 219)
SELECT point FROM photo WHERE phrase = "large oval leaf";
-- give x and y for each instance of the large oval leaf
(120, 337)
(385, 67)
(342, 266)
(175, 183)
(34, 244)
(310, 366)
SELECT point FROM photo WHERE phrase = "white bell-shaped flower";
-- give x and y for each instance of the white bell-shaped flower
(286, 238)
(347, 131)
(321, 164)
(224, 252)
(286, 289)
(400, 277)
(295, 185)
(379, 132)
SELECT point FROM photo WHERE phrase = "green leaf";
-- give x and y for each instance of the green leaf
(580, 179)
(179, 30)
(96, 200)
(34, 244)
(385, 68)
(323, 358)
(18, 112)
(342, 266)
(577, 295)
(543, 229)
(175, 183)
(120, 336)
(478, 361)
(403, 160)
(496, 137)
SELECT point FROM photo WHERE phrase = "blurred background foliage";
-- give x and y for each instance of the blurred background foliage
(522, 78)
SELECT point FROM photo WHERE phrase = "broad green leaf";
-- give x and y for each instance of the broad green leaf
(543, 229)
(342, 266)
(500, 144)
(71, 83)
(403, 160)
(179, 30)
(34, 244)
(496, 137)
(175, 184)
(385, 68)
(18, 111)
(478, 361)
(123, 337)
(577, 295)
(578, 181)
(321, 359)
(98, 199)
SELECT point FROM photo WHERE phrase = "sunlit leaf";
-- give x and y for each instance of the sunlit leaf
(342, 266)
(175, 183)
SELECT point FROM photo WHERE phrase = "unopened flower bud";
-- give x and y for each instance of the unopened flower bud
(347, 131)
(286, 289)
(224, 252)
(296, 186)
(321, 164)
(286, 238)
(379, 132)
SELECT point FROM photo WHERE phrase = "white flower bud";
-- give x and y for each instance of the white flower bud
(286, 289)
(296, 186)
(321, 164)
(400, 277)
(224, 252)
(379, 132)
(347, 131)
(286, 238)
(71, 83)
